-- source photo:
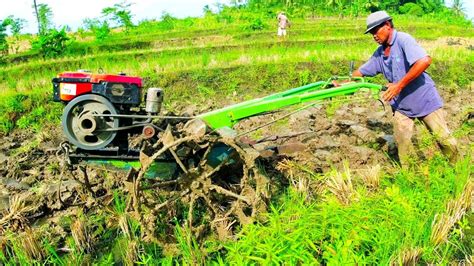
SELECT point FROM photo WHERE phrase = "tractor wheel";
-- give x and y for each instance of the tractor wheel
(220, 197)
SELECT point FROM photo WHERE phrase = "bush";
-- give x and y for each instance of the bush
(256, 24)
(101, 29)
(411, 9)
(167, 21)
(102, 32)
(52, 44)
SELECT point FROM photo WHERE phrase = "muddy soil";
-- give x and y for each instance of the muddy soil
(35, 188)
(324, 137)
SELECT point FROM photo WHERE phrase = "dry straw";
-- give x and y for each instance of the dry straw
(131, 252)
(31, 245)
(340, 184)
(456, 209)
(17, 211)
(81, 236)
(407, 257)
(371, 176)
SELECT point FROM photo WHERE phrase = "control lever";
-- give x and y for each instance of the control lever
(351, 69)
(384, 88)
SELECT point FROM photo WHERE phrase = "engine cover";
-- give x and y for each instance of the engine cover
(118, 89)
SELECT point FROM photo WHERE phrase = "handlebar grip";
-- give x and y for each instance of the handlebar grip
(384, 88)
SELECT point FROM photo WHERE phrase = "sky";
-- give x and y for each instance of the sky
(72, 12)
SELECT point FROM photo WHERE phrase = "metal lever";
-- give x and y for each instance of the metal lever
(351, 69)
(384, 88)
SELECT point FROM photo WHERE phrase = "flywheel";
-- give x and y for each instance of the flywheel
(82, 125)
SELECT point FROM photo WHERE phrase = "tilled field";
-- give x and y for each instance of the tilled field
(38, 190)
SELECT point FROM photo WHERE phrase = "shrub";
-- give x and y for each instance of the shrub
(167, 21)
(100, 29)
(52, 44)
(256, 24)
(411, 9)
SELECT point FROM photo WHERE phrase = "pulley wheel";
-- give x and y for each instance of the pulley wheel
(83, 128)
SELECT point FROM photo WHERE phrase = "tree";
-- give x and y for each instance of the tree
(458, 8)
(16, 25)
(100, 28)
(45, 15)
(335, 5)
(35, 6)
(120, 14)
(3, 41)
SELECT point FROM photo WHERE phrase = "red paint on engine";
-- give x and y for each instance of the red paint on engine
(82, 83)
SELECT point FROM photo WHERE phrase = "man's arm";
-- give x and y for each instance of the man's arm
(415, 71)
(356, 73)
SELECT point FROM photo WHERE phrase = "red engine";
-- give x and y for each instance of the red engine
(118, 89)
(98, 111)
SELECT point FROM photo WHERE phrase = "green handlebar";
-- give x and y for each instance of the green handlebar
(230, 115)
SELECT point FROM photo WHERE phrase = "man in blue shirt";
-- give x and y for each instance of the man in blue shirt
(411, 91)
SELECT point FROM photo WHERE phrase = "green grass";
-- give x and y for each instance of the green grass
(373, 229)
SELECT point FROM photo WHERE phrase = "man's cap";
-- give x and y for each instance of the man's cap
(375, 19)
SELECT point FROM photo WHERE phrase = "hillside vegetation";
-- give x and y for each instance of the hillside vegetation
(380, 214)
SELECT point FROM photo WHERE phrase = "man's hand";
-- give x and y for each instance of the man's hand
(338, 83)
(415, 71)
(393, 90)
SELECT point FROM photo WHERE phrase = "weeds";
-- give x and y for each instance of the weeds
(190, 250)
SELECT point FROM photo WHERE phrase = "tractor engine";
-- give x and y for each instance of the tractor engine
(102, 110)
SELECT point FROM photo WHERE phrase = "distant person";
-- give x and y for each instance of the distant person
(411, 91)
(283, 23)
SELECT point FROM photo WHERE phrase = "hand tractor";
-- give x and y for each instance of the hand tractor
(199, 160)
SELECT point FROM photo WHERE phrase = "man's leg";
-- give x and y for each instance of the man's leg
(436, 124)
(402, 133)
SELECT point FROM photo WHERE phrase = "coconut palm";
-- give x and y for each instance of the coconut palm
(458, 7)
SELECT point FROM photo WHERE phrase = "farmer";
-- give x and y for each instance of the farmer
(283, 23)
(411, 91)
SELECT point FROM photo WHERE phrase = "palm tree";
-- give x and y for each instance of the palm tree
(458, 8)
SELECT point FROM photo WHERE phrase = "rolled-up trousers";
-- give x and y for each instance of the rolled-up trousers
(403, 128)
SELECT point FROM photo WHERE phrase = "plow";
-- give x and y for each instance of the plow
(193, 170)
